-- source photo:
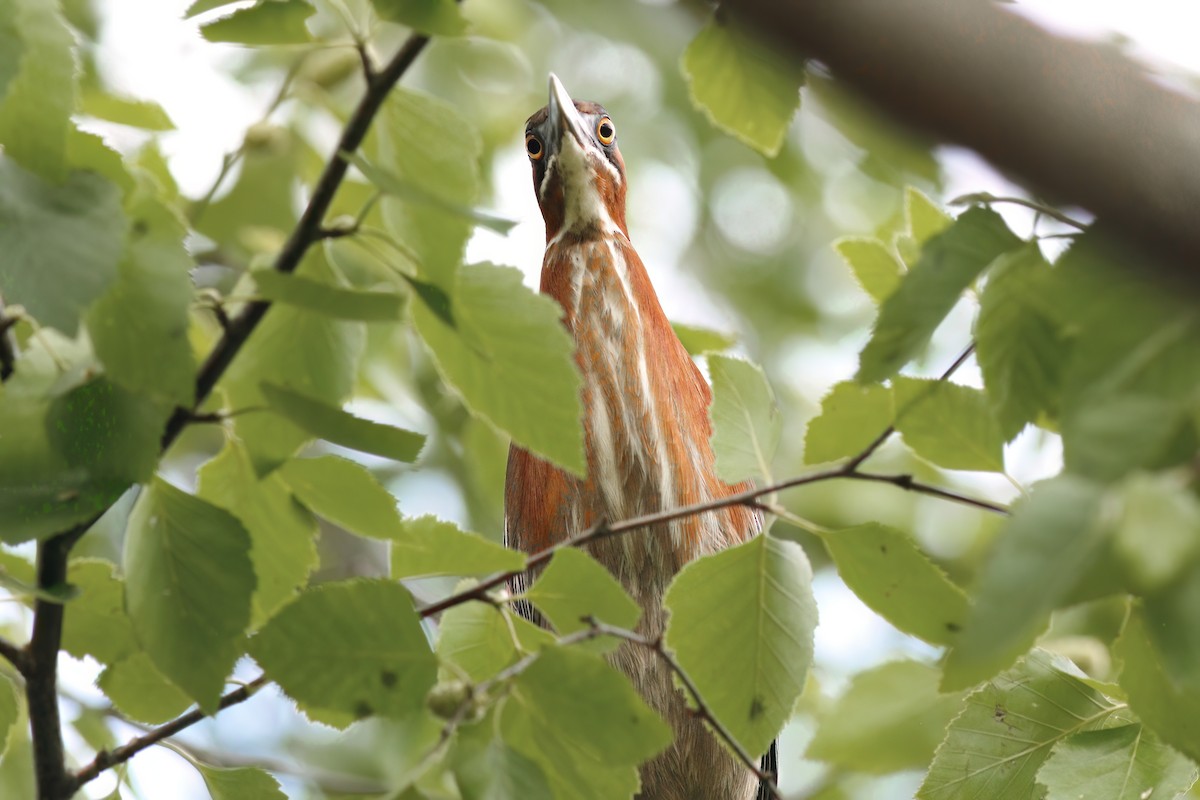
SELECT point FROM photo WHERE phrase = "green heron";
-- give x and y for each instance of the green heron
(646, 428)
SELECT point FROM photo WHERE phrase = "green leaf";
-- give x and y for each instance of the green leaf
(282, 536)
(741, 626)
(852, 416)
(947, 265)
(744, 88)
(428, 546)
(875, 266)
(1107, 436)
(200, 6)
(924, 218)
(428, 144)
(1171, 617)
(949, 424)
(1172, 711)
(573, 586)
(189, 581)
(139, 327)
(345, 493)
(12, 46)
(580, 720)
(477, 638)
(328, 299)
(352, 646)
(265, 22)
(335, 425)
(61, 243)
(512, 361)
(1125, 763)
(144, 114)
(95, 623)
(485, 768)
(1051, 541)
(697, 340)
(889, 573)
(1008, 726)
(745, 419)
(241, 783)
(1020, 350)
(431, 17)
(35, 115)
(1158, 531)
(891, 718)
(304, 351)
(9, 709)
(395, 186)
(140, 692)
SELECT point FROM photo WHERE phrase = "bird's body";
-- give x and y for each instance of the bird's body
(646, 429)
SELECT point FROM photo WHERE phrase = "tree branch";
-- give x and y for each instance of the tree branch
(8, 344)
(1077, 122)
(15, 655)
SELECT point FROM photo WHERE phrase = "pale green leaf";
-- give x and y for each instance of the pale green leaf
(486, 768)
(1125, 763)
(890, 718)
(697, 340)
(949, 424)
(61, 243)
(189, 580)
(87, 152)
(35, 115)
(95, 623)
(282, 536)
(574, 586)
(354, 646)
(265, 22)
(852, 416)
(1158, 530)
(741, 624)
(923, 218)
(477, 638)
(1008, 727)
(241, 783)
(579, 720)
(200, 6)
(431, 17)
(745, 419)
(140, 692)
(427, 546)
(742, 85)
(9, 709)
(139, 327)
(947, 265)
(875, 266)
(326, 298)
(889, 573)
(1172, 711)
(12, 45)
(145, 114)
(512, 361)
(301, 350)
(345, 493)
(1172, 616)
(335, 425)
(1020, 349)
(1046, 547)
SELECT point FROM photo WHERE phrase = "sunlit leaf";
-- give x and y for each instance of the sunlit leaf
(265, 22)
(328, 299)
(96, 624)
(345, 493)
(144, 114)
(574, 586)
(744, 87)
(354, 646)
(745, 419)
(189, 580)
(741, 624)
(512, 361)
(335, 425)
(1158, 532)
(923, 218)
(1172, 711)
(951, 425)
(874, 265)
(140, 692)
(9, 709)
(241, 783)
(889, 573)
(485, 768)
(432, 17)
(852, 416)
(1125, 763)
(948, 263)
(477, 639)
(1047, 546)
(697, 340)
(429, 546)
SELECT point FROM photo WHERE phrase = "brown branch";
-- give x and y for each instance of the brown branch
(106, 759)
(15, 655)
(702, 710)
(8, 344)
(1075, 121)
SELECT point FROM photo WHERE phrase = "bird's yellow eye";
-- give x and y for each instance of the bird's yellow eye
(533, 146)
(605, 131)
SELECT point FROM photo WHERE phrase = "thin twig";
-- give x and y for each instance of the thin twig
(15, 655)
(702, 710)
(106, 759)
(1041, 208)
(909, 484)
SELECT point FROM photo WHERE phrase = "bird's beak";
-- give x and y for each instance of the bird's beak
(564, 117)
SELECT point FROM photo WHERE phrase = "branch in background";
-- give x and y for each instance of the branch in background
(15, 655)
(8, 344)
(1075, 121)
(41, 687)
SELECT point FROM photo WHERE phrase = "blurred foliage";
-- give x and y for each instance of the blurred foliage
(389, 375)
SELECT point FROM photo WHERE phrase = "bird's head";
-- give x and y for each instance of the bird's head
(578, 173)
